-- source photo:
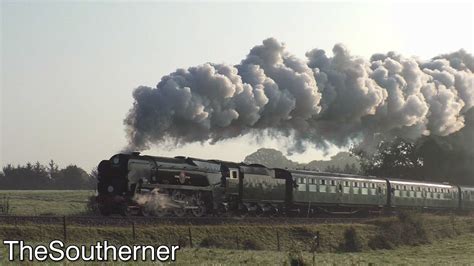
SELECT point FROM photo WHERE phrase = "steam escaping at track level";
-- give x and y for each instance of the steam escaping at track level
(320, 100)
(155, 202)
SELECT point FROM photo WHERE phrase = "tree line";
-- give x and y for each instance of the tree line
(347, 169)
(38, 176)
(428, 159)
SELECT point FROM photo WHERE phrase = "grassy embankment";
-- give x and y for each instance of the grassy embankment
(437, 239)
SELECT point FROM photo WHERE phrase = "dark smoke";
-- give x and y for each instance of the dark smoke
(322, 99)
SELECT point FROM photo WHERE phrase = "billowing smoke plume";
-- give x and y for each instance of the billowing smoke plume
(321, 100)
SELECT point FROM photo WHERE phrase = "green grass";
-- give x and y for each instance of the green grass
(452, 251)
(227, 236)
(451, 240)
(47, 202)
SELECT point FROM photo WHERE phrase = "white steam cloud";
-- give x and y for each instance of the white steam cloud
(321, 100)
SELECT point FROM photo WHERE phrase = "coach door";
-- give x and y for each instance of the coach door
(232, 181)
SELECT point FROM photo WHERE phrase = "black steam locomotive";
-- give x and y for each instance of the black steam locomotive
(159, 186)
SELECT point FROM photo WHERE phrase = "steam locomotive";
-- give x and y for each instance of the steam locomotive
(134, 184)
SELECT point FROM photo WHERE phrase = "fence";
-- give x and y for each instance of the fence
(72, 229)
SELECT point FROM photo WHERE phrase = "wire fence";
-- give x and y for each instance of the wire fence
(237, 236)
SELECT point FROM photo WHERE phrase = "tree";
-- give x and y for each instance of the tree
(397, 158)
(25, 177)
(332, 169)
(53, 168)
(351, 169)
(38, 176)
(72, 177)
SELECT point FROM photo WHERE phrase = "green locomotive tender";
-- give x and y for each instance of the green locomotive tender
(159, 186)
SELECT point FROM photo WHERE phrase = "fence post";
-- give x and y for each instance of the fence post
(318, 239)
(237, 242)
(64, 229)
(133, 230)
(278, 241)
(190, 237)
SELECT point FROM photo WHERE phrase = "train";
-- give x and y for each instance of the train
(135, 184)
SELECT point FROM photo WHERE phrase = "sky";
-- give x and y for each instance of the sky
(68, 69)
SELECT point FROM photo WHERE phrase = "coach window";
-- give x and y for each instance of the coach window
(418, 192)
(312, 187)
(322, 187)
(333, 183)
(302, 186)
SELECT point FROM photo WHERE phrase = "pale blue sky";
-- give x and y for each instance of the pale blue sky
(68, 69)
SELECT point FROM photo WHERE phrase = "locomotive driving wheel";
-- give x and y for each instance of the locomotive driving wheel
(161, 212)
(146, 212)
(200, 205)
(156, 211)
(182, 199)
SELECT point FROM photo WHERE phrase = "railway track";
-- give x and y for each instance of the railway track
(126, 221)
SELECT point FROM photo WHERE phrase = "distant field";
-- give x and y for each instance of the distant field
(46, 202)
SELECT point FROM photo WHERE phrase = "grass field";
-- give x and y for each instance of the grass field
(47, 202)
(451, 251)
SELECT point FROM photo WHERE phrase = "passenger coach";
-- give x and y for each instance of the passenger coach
(332, 192)
(423, 195)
